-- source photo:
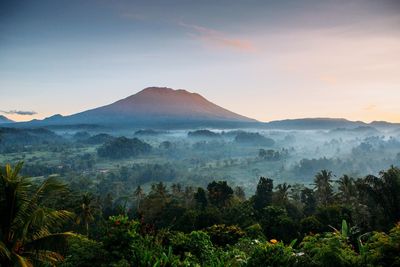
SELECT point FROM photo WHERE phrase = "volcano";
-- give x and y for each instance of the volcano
(154, 106)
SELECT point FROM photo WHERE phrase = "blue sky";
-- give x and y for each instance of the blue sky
(264, 59)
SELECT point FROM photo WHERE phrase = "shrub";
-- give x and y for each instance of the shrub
(268, 254)
(222, 235)
(382, 249)
(119, 238)
(83, 252)
(311, 225)
(197, 243)
(330, 249)
(255, 231)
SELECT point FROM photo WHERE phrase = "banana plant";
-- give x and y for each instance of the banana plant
(344, 231)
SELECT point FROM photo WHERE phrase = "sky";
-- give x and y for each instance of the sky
(264, 59)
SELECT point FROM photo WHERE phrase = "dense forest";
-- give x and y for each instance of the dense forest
(334, 222)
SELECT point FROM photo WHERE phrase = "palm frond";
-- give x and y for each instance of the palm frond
(26, 224)
(44, 256)
(4, 252)
(22, 261)
(49, 188)
(55, 242)
(45, 219)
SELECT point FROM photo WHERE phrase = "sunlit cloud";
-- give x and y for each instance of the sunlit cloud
(218, 39)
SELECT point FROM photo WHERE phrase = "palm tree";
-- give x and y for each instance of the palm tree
(188, 196)
(86, 210)
(176, 189)
(138, 195)
(384, 192)
(347, 189)
(282, 193)
(324, 191)
(26, 237)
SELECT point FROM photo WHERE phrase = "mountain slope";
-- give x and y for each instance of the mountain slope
(153, 105)
(4, 119)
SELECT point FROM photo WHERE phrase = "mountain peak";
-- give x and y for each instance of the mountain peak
(166, 91)
(159, 89)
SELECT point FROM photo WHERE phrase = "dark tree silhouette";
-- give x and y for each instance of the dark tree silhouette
(263, 196)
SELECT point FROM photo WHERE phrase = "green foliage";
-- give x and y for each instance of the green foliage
(180, 226)
(263, 196)
(383, 193)
(15, 140)
(123, 147)
(85, 213)
(201, 198)
(241, 214)
(330, 249)
(333, 215)
(309, 201)
(311, 225)
(255, 231)
(119, 237)
(345, 229)
(200, 245)
(323, 186)
(219, 193)
(197, 243)
(382, 249)
(271, 255)
(222, 235)
(276, 224)
(203, 133)
(149, 252)
(269, 154)
(253, 139)
(29, 230)
(84, 252)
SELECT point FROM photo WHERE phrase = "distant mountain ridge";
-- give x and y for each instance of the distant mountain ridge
(4, 119)
(326, 123)
(315, 123)
(162, 107)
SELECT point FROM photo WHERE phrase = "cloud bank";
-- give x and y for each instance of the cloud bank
(19, 112)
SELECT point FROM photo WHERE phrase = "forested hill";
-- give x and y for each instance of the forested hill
(351, 222)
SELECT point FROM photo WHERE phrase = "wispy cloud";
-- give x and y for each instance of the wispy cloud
(19, 112)
(217, 38)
